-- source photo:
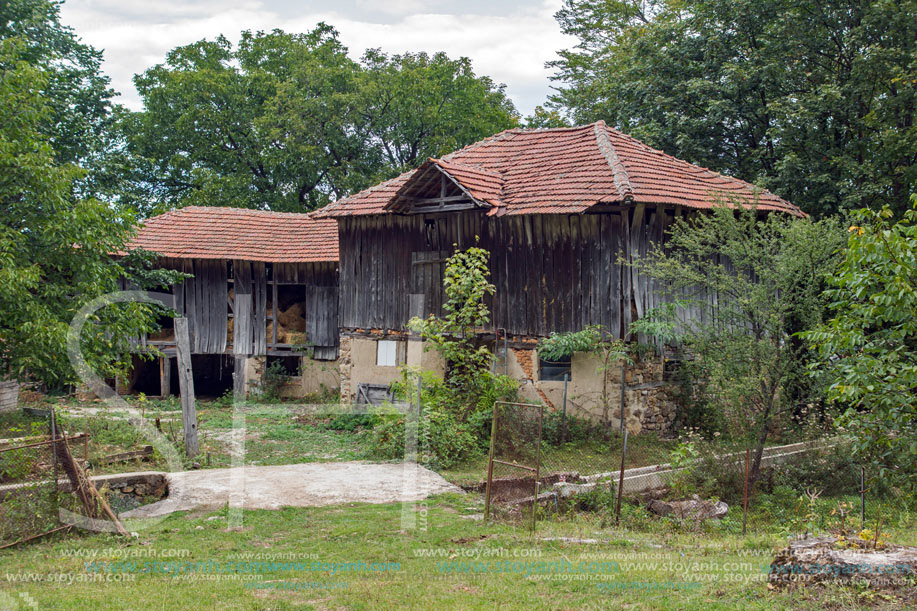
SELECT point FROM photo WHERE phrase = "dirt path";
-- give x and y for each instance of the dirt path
(303, 485)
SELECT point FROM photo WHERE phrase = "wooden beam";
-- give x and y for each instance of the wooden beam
(122, 456)
(165, 376)
(274, 308)
(186, 383)
(238, 379)
(437, 200)
(441, 208)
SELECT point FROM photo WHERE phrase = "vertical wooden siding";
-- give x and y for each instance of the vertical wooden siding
(204, 300)
(552, 272)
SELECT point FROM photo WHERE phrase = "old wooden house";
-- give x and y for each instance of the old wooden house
(263, 292)
(560, 210)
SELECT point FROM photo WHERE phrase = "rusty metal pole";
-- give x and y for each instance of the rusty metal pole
(621, 479)
(490, 462)
(537, 466)
(54, 445)
(563, 415)
(745, 496)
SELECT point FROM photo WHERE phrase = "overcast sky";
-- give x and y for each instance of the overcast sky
(509, 40)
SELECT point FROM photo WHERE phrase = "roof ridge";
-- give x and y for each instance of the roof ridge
(619, 172)
(233, 209)
(569, 128)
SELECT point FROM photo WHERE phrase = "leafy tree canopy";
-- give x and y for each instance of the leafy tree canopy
(78, 120)
(55, 249)
(288, 122)
(768, 276)
(870, 343)
(813, 100)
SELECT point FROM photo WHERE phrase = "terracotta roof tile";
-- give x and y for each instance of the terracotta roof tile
(569, 170)
(202, 232)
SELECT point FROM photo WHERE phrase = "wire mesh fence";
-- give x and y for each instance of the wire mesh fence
(40, 477)
(793, 484)
(28, 482)
(513, 477)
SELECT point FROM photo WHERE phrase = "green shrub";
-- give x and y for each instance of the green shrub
(599, 499)
(833, 470)
(273, 378)
(578, 429)
(455, 426)
(352, 422)
(455, 418)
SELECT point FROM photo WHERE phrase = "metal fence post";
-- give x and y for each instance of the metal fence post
(745, 495)
(563, 415)
(490, 462)
(621, 479)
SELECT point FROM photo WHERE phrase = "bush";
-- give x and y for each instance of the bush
(832, 470)
(455, 426)
(599, 499)
(273, 378)
(578, 429)
(352, 422)
(455, 422)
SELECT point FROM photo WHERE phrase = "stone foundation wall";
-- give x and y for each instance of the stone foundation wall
(648, 407)
(315, 376)
(649, 403)
(357, 362)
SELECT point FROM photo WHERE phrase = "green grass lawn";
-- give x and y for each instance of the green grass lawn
(645, 563)
(275, 434)
(657, 569)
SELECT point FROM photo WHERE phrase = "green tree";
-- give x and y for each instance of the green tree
(768, 277)
(869, 344)
(466, 283)
(416, 106)
(79, 116)
(289, 122)
(594, 339)
(813, 100)
(261, 126)
(55, 249)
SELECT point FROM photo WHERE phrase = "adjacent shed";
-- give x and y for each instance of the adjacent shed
(264, 289)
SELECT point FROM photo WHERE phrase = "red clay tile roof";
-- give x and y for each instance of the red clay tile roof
(202, 232)
(485, 186)
(568, 170)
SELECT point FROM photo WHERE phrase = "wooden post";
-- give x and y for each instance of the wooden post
(623, 395)
(238, 378)
(186, 384)
(165, 377)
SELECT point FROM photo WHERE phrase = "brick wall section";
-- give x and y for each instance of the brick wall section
(526, 361)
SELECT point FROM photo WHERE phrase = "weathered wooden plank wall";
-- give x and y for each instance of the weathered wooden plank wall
(204, 301)
(243, 326)
(552, 272)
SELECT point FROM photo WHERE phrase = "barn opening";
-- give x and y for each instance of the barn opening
(212, 374)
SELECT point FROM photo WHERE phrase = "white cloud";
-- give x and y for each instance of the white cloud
(510, 47)
(394, 7)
